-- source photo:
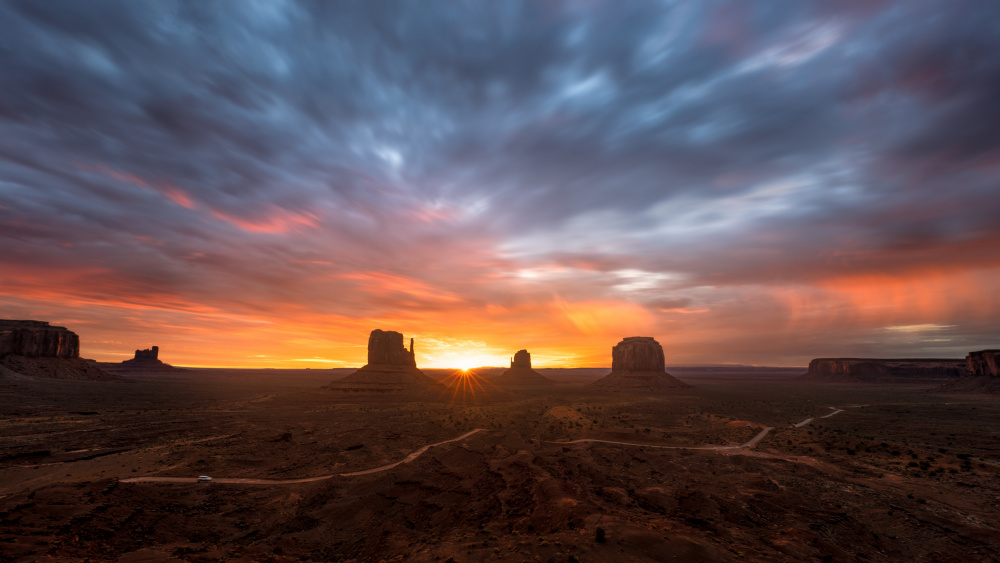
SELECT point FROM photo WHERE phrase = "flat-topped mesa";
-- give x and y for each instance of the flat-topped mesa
(638, 353)
(148, 354)
(385, 348)
(390, 367)
(522, 359)
(875, 370)
(145, 362)
(984, 363)
(37, 339)
(637, 364)
(38, 349)
(520, 373)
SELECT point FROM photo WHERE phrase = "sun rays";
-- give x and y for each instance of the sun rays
(464, 385)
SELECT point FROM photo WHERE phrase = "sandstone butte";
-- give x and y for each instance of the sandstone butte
(637, 364)
(144, 362)
(875, 370)
(390, 367)
(520, 373)
(984, 363)
(38, 349)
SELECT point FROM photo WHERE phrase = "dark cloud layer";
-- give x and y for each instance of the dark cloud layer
(366, 159)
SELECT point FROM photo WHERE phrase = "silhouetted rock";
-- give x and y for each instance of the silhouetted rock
(385, 348)
(145, 362)
(883, 370)
(390, 367)
(37, 339)
(984, 363)
(637, 364)
(148, 354)
(521, 359)
(38, 349)
(520, 373)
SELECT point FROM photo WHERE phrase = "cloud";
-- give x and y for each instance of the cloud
(511, 170)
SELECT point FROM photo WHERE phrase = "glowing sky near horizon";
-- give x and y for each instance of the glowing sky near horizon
(260, 184)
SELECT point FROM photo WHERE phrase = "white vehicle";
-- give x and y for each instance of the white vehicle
(204, 478)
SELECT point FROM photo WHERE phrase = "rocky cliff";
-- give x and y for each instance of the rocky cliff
(982, 375)
(144, 362)
(520, 373)
(148, 354)
(884, 370)
(637, 364)
(37, 339)
(521, 359)
(38, 349)
(984, 363)
(390, 367)
(385, 348)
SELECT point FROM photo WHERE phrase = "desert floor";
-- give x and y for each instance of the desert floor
(880, 473)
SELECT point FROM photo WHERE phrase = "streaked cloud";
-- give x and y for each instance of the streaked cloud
(755, 183)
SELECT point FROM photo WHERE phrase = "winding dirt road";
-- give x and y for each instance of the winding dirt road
(414, 455)
(753, 442)
(808, 420)
(237, 481)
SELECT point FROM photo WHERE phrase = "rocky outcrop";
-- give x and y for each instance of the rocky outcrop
(144, 362)
(37, 339)
(982, 375)
(521, 359)
(38, 349)
(637, 364)
(390, 367)
(385, 348)
(984, 363)
(884, 370)
(147, 354)
(520, 373)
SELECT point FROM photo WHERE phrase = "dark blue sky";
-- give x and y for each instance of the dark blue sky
(250, 183)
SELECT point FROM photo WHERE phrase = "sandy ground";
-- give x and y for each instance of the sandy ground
(838, 473)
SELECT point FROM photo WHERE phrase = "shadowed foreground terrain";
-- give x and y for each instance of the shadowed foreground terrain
(879, 472)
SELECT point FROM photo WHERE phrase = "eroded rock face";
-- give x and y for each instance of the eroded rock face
(637, 365)
(522, 359)
(37, 339)
(147, 354)
(385, 348)
(638, 353)
(984, 363)
(390, 367)
(38, 349)
(873, 370)
(520, 373)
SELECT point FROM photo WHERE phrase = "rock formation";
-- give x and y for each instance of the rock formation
(390, 367)
(984, 363)
(38, 349)
(520, 373)
(982, 375)
(145, 362)
(37, 339)
(883, 370)
(637, 364)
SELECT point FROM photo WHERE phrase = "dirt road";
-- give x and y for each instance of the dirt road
(238, 481)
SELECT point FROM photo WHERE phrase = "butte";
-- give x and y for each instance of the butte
(637, 364)
(145, 362)
(38, 349)
(520, 373)
(390, 367)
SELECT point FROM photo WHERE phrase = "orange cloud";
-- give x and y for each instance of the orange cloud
(276, 220)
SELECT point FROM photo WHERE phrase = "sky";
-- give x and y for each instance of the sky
(262, 183)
